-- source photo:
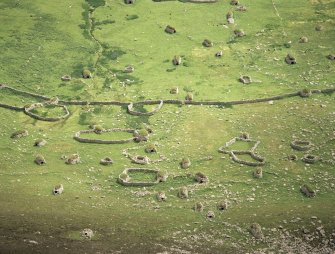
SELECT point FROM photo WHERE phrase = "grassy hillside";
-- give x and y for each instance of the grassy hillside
(42, 41)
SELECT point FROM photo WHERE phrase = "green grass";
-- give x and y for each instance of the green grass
(42, 41)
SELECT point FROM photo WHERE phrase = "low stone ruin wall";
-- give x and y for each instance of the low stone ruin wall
(101, 141)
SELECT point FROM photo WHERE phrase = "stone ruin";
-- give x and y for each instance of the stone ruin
(161, 196)
(128, 69)
(141, 135)
(222, 205)
(310, 159)
(200, 178)
(210, 215)
(20, 134)
(174, 90)
(150, 113)
(198, 207)
(150, 148)
(58, 189)
(258, 173)
(73, 159)
(239, 33)
(183, 192)
(207, 43)
(40, 142)
(54, 101)
(185, 163)
(97, 130)
(87, 233)
(176, 60)
(245, 79)
(86, 74)
(331, 57)
(292, 157)
(139, 159)
(305, 93)
(303, 39)
(289, 59)
(189, 96)
(307, 191)
(234, 2)
(301, 145)
(106, 161)
(256, 231)
(241, 8)
(318, 28)
(219, 53)
(259, 161)
(66, 78)
(125, 180)
(170, 29)
(39, 160)
(230, 17)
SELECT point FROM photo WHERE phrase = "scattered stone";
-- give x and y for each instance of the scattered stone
(39, 160)
(245, 79)
(305, 92)
(150, 148)
(256, 231)
(301, 145)
(207, 43)
(189, 96)
(174, 90)
(234, 2)
(161, 196)
(128, 69)
(258, 173)
(303, 39)
(106, 161)
(331, 57)
(210, 215)
(87, 233)
(318, 27)
(170, 30)
(289, 59)
(222, 205)
(198, 207)
(66, 78)
(40, 142)
(58, 189)
(176, 60)
(219, 53)
(19, 134)
(183, 192)
(310, 159)
(86, 74)
(185, 163)
(201, 178)
(239, 32)
(307, 191)
(73, 159)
